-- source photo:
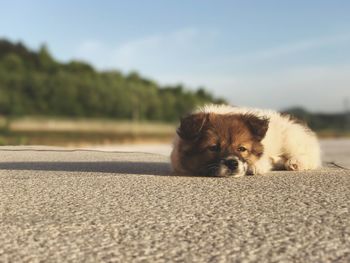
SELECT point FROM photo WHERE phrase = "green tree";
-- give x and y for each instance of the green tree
(34, 83)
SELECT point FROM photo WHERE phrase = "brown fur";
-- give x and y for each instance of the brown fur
(200, 132)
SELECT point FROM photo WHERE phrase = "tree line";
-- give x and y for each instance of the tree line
(322, 121)
(34, 83)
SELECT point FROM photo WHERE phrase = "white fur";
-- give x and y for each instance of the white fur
(287, 144)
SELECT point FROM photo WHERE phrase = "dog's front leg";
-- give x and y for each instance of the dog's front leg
(260, 167)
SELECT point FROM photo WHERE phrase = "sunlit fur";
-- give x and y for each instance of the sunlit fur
(285, 144)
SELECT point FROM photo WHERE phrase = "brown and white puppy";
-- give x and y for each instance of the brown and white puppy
(223, 140)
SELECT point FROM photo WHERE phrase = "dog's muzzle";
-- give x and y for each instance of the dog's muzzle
(232, 166)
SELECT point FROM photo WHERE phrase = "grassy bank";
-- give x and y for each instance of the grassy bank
(61, 132)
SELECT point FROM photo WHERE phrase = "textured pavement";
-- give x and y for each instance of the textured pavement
(93, 206)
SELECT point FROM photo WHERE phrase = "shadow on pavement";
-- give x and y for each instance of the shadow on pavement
(145, 168)
(114, 167)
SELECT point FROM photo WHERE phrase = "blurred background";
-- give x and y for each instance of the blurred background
(104, 73)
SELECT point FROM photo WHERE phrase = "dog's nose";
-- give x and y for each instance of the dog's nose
(232, 164)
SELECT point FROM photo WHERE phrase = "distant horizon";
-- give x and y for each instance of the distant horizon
(258, 54)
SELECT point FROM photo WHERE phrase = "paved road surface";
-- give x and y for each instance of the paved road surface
(93, 206)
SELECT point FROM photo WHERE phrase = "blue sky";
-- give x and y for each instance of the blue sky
(273, 54)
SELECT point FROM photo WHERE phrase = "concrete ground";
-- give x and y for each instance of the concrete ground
(61, 205)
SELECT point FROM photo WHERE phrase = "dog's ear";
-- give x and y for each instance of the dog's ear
(192, 125)
(258, 126)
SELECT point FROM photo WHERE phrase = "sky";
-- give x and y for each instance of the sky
(268, 54)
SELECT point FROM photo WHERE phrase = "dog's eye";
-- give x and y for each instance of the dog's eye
(241, 149)
(214, 148)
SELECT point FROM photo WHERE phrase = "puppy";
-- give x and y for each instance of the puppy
(220, 140)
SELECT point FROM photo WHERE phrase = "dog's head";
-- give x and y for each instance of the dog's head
(220, 144)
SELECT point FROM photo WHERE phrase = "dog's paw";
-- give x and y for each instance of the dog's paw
(251, 171)
(257, 170)
(294, 165)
